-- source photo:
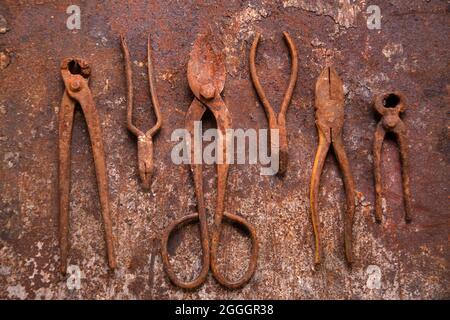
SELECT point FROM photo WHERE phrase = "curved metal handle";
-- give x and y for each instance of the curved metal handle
(177, 224)
(274, 121)
(241, 222)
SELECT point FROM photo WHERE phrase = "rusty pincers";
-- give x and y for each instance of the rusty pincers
(389, 106)
(75, 73)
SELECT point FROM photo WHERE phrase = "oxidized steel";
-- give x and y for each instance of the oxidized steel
(75, 73)
(275, 122)
(389, 106)
(145, 142)
(206, 76)
(329, 107)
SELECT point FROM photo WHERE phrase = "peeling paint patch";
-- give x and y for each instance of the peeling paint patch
(11, 159)
(5, 270)
(17, 291)
(373, 273)
(392, 49)
(344, 15)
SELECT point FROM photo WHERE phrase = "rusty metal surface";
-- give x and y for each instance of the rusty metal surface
(391, 260)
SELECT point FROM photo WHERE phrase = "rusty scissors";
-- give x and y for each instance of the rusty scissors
(206, 77)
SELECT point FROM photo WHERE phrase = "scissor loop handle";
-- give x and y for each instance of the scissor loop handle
(178, 224)
(241, 223)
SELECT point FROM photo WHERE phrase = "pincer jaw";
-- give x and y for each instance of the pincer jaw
(145, 160)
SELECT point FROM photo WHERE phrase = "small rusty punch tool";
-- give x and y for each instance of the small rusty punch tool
(389, 106)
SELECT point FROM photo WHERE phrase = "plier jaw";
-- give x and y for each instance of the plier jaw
(145, 160)
(75, 73)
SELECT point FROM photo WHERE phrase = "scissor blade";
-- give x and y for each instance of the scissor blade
(205, 66)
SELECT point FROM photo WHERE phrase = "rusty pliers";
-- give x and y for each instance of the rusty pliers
(389, 106)
(276, 122)
(329, 107)
(145, 139)
(206, 77)
(75, 73)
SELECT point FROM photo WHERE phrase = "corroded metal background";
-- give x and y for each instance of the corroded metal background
(393, 260)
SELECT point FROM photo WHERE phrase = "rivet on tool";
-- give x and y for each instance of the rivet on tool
(389, 106)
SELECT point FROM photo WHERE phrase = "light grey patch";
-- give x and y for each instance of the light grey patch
(373, 273)
(5, 270)
(17, 291)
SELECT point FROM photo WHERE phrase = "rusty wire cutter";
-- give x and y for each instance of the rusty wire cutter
(206, 77)
(389, 106)
(145, 143)
(75, 73)
(276, 123)
(329, 107)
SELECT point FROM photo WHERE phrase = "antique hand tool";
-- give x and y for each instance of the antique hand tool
(206, 77)
(145, 143)
(276, 123)
(329, 107)
(75, 73)
(389, 106)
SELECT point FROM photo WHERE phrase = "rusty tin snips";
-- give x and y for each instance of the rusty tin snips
(329, 107)
(276, 122)
(206, 77)
(389, 106)
(75, 73)
(145, 139)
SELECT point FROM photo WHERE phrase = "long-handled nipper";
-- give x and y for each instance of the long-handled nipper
(206, 77)
(389, 106)
(276, 122)
(329, 107)
(145, 143)
(75, 73)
